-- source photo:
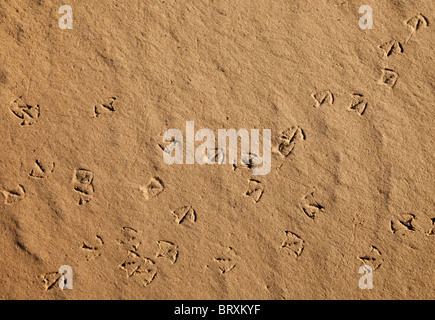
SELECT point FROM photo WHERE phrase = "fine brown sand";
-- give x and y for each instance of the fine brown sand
(84, 183)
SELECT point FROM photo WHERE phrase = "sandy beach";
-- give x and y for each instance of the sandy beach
(85, 111)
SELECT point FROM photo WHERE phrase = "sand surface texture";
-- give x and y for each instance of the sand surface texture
(82, 177)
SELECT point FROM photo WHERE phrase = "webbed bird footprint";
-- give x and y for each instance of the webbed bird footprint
(50, 279)
(249, 162)
(323, 97)
(255, 190)
(42, 169)
(109, 105)
(153, 189)
(14, 195)
(141, 268)
(310, 206)
(293, 243)
(417, 22)
(288, 139)
(167, 250)
(404, 222)
(83, 184)
(226, 263)
(373, 258)
(358, 103)
(129, 239)
(93, 250)
(29, 114)
(389, 77)
(391, 47)
(184, 213)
